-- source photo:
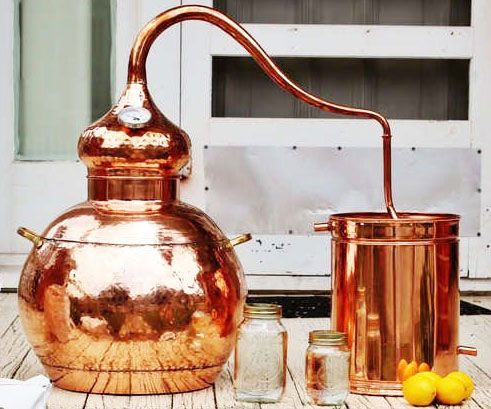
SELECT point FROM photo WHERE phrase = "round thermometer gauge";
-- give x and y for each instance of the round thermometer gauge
(134, 117)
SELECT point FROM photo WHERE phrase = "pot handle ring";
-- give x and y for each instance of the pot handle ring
(240, 239)
(31, 236)
(466, 350)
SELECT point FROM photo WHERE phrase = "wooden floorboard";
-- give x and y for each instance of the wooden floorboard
(18, 361)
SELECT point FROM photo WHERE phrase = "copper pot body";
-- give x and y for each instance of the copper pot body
(395, 293)
(125, 318)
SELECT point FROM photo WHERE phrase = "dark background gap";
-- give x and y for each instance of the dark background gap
(425, 89)
(319, 306)
(390, 12)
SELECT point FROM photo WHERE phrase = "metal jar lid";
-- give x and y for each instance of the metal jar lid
(262, 311)
(381, 227)
(327, 337)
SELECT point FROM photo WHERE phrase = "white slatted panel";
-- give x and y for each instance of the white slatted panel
(352, 41)
(190, 74)
(201, 42)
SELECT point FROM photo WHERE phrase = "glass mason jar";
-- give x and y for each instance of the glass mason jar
(327, 367)
(260, 355)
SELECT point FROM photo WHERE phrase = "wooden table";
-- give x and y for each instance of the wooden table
(18, 361)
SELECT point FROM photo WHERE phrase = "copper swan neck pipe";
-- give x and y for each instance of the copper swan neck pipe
(146, 37)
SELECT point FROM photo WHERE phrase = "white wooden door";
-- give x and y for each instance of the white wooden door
(180, 67)
(34, 191)
(301, 261)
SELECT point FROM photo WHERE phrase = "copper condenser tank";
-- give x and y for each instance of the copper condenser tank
(395, 292)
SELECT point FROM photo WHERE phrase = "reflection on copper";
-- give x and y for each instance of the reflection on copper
(396, 295)
(131, 318)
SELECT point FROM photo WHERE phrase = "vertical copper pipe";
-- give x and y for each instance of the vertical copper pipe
(145, 39)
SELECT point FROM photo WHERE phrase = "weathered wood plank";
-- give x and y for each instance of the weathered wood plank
(151, 402)
(400, 403)
(298, 333)
(224, 391)
(107, 402)
(475, 330)
(482, 392)
(61, 399)
(129, 402)
(8, 311)
(365, 402)
(19, 361)
(14, 350)
(29, 367)
(203, 399)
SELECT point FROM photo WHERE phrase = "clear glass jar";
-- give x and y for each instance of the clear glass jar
(260, 355)
(327, 367)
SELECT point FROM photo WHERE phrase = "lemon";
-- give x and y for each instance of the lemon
(432, 376)
(424, 367)
(450, 391)
(410, 370)
(400, 369)
(465, 379)
(419, 391)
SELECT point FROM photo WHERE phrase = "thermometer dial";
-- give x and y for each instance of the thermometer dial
(134, 117)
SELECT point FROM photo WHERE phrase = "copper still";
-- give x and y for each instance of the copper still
(136, 292)
(395, 291)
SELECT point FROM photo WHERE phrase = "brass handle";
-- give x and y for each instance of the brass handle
(31, 236)
(321, 227)
(240, 239)
(465, 350)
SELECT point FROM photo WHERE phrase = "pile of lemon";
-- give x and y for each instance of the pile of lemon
(422, 388)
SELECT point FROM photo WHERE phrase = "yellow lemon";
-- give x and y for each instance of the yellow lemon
(465, 379)
(410, 370)
(400, 369)
(419, 391)
(432, 376)
(450, 391)
(424, 367)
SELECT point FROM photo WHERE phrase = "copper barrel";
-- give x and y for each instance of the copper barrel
(395, 293)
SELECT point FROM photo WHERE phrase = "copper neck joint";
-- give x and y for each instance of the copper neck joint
(105, 188)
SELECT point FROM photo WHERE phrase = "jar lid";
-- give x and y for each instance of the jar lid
(327, 337)
(262, 311)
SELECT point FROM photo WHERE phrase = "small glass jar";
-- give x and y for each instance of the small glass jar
(260, 355)
(327, 367)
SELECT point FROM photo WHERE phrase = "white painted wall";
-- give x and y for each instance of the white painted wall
(180, 80)
(201, 43)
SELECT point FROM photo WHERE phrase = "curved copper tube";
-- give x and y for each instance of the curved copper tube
(146, 37)
(466, 350)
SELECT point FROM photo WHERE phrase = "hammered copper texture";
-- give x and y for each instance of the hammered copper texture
(130, 318)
